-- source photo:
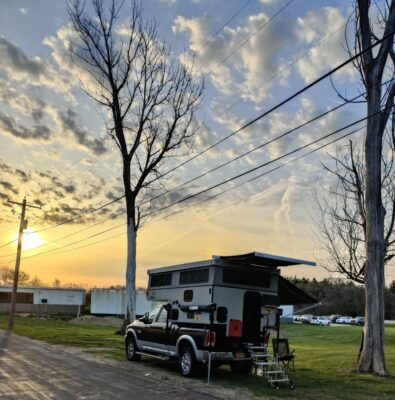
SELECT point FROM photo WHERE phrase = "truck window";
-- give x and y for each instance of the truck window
(194, 276)
(162, 316)
(152, 315)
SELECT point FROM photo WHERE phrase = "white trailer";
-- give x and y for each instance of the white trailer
(45, 300)
(113, 302)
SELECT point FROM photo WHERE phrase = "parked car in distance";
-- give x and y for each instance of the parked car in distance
(305, 319)
(358, 321)
(334, 317)
(296, 318)
(320, 321)
(344, 320)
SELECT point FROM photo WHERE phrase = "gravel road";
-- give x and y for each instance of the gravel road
(30, 369)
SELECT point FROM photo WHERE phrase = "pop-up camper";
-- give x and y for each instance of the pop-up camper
(222, 306)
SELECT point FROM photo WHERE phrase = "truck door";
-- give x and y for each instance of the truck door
(251, 316)
(158, 331)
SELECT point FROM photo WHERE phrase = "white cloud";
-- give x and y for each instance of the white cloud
(48, 122)
(15, 65)
(23, 10)
(250, 67)
(321, 26)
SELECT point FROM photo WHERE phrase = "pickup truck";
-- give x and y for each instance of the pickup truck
(159, 335)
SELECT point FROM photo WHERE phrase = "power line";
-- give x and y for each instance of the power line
(266, 163)
(257, 147)
(218, 31)
(237, 48)
(201, 201)
(233, 178)
(278, 105)
(264, 173)
(207, 172)
(262, 115)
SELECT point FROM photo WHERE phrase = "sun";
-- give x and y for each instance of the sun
(30, 240)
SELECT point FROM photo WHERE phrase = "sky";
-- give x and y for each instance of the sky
(54, 148)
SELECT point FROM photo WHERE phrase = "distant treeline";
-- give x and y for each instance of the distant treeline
(341, 297)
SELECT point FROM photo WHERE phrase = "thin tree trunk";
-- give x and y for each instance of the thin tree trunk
(130, 289)
(372, 356)
(130, 312)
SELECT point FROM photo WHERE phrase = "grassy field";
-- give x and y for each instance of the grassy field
(325, 357)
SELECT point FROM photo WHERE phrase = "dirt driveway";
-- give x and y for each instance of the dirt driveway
(30, 369)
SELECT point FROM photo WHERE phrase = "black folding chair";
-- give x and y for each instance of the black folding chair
(284, 356)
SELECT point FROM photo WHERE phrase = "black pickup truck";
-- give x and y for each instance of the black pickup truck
(159, 334)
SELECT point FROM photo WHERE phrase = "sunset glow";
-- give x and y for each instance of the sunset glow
(57, 152)
(30, 240)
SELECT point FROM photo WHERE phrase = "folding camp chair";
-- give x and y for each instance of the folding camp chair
(281, 350)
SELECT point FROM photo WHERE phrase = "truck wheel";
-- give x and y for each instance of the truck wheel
(187, 361)
(240, 367)
(131, 348)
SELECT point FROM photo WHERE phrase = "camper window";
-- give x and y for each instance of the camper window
(194, 276)
(246, 278)
(188, 295)
(269, 300)
(160, 280)
(222, 314)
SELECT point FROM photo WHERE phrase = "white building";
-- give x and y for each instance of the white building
(288, 313)
(43, 300)
(113, 302)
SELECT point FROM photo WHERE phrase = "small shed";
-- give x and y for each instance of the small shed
(43, 300)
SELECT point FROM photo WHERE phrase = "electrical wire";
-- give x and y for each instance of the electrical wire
(235, 177)
(244, 42)
(204, 200)
(251, 122)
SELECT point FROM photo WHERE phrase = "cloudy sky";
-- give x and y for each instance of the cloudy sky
(55, 150)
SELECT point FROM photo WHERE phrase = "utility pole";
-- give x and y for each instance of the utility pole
(22, 227)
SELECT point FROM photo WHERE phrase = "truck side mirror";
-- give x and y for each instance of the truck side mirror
(143, 318)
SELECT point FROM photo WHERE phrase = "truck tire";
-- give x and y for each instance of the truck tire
(187, 361)
(131, 348)
(240, 367)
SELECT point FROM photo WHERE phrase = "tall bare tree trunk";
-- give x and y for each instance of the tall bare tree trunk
(130, 288)
(372, 356)
(130, 312)
(372, 67)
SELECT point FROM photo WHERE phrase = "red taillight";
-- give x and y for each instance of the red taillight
(209, 340)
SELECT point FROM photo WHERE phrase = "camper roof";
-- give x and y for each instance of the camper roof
(255, 258)
(264, 260)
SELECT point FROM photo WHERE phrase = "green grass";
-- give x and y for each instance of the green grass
(325, 358)
(91, 338)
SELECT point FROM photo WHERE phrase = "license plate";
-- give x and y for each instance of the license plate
(239, 354)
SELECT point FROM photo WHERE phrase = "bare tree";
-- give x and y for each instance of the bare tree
(361, 227)
(149, 96)
(341, 222)
(7, 277)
